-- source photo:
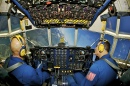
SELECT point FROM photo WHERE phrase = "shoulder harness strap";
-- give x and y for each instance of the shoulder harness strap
(11, 68)
(111, 64)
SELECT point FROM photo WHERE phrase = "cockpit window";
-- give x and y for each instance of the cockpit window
(122, 49)
(4, 47)
(15, 23)
(87, 38)
(67, 33)
(3, 24)
(38, 37)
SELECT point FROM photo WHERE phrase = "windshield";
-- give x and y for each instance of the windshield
(39, 37)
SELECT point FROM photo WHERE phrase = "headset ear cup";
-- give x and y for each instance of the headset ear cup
(101, 48)
(22, 51)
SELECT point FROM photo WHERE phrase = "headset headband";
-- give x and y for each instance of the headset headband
(19, 38)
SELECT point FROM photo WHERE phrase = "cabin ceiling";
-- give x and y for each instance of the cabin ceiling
(42, 13)
(122, 5)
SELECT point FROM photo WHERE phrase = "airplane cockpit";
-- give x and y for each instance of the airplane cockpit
(62, 34)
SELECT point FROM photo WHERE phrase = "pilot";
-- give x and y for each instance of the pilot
(25, 74)
(100, 73)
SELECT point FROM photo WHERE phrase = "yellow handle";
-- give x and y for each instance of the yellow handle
(103, 25)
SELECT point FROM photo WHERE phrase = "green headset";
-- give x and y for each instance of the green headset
(101, 46)
(23, 47)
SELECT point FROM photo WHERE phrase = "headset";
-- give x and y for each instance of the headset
(23, 47)
(101, 46)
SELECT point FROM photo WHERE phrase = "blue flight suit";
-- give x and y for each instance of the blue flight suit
(26, 74)
(100, 74)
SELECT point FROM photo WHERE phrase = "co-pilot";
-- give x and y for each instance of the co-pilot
(25, 74)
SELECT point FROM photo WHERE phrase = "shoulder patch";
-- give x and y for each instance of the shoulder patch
(90, 76)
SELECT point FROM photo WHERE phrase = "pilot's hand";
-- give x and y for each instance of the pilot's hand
(70, 79)
(46, 75)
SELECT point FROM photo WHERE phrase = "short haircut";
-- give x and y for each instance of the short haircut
(107, 44)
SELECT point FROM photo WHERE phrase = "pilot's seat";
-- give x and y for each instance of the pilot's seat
(6, 78)
(9, 81)
(125, 78)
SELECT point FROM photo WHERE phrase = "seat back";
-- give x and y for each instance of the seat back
(9, 80)
(125, 78)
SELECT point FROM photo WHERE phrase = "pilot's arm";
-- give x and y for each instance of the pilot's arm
(71, 81)
(90, 79)
(33, 76)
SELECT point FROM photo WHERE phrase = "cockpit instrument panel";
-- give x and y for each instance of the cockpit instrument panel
(60, 12)
(66, 59)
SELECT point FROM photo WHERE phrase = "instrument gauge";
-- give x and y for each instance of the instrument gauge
(82, 52)
(42, 52)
